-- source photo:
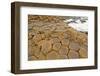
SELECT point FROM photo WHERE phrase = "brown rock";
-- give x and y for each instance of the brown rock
(55, 40)
(54, 35)
(72, 33)
(74, 46)
(63, 50)
(34, 51)
(30, 26)
(82, 38)
(52, 55)
(30, 51)
(83, 53)
(45, 46)
(42, 36)
(37, 38)
(30, 36)
(51, 37)
(65, 35)
(73, 55)
(30, 42)
(32, 58)
(41, 56)
(56, 46)
(65, 42)
(47, 35)
(63, 56)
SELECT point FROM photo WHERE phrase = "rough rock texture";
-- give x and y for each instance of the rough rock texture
(49, 37)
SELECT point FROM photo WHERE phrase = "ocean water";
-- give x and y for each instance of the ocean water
(78, 23)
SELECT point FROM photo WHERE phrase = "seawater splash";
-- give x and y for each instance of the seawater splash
(78, 23)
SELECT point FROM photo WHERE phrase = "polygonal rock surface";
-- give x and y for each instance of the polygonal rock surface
(63, 50)
(52, 55)
(34, 50)
(74, 46)
(45, 46)
(41, 56)
(65, 42)
(32, 58)
(56, 46)
(49, 37)
(72, 54)
(83, 53)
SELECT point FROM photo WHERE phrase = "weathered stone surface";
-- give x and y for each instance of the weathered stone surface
(34, 50)
(82, 38)
(41, 56)
(55, 40)
(49, 37)
(63, 56)
(30, 51)
(52, 55)
(45, 46)
(74, 46)
(32, 58)
(73, 55)
(65, 42)
(56, 46)
(37, 38)
(83, 53)
(63, 50)
(72, 33)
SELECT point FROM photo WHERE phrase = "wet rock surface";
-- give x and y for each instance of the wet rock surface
(49, 37)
